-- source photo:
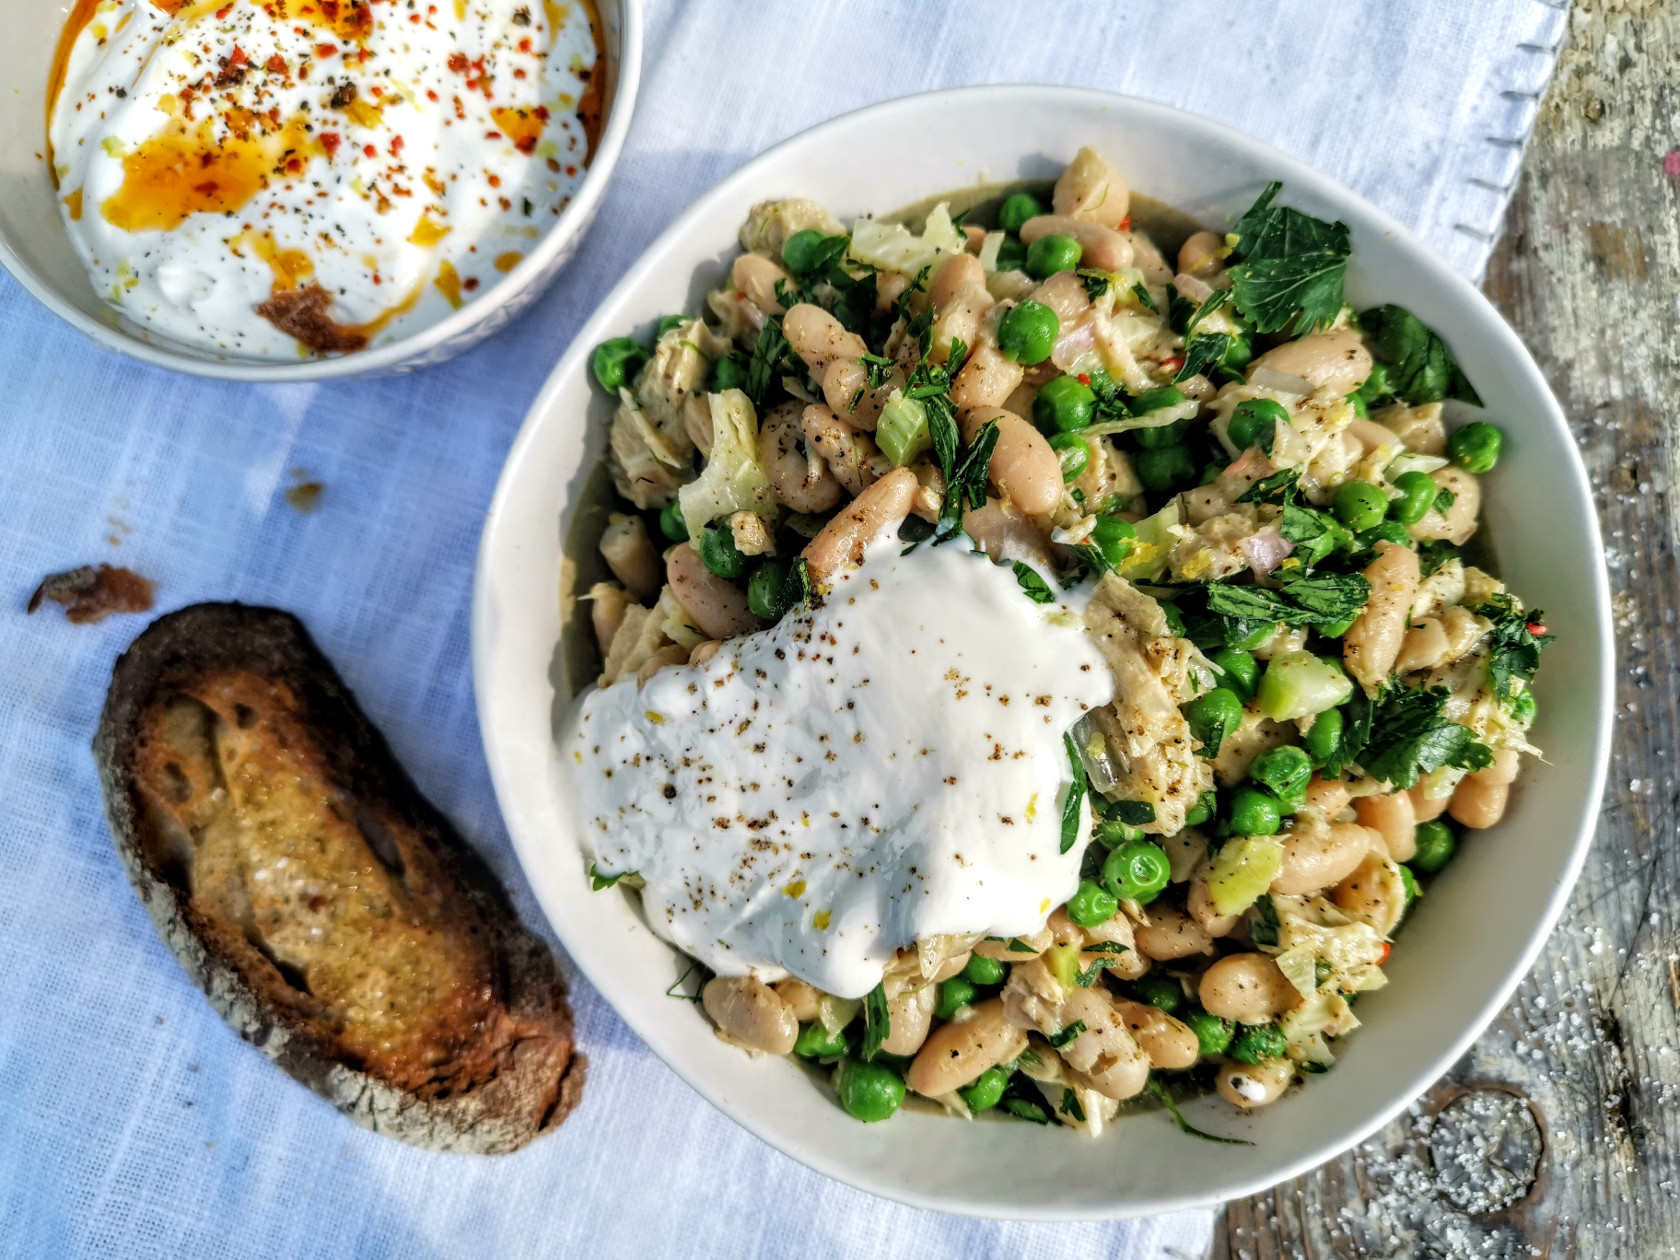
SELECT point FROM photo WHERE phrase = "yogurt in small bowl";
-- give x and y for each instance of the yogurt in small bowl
(284, 189)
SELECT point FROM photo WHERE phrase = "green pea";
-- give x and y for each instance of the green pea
(1256, 1042)
(1162, 992)
(667, 323)
(1202, 810)
(802, 251)
(727, 373)
(1324, 736)
(616, 362)
(983, 971)
(1164, 469)
(719, 553)
(954, 994)
(1359, 505)
(1238, 354)
(1475, 447)
(1011, 255)
(1212, 1033)
(1155, 399)
(1284, 770)
(1113, 537)
(869, 1092)
(1137, 871)
(816, 1042)
(1524, 707)
(1212, 717)
(1255, 812)
(1255, 422)
(1027, 333)
(767, 592)
(1073, 453)
(987, 1089)
(1050, 254)
(1063, 405)
(1435, 846)
(671, 522)
(1091, 905)
(1241, 671)
(1417, 496)
(1017, 208)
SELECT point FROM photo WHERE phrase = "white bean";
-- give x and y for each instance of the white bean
(818, 338)
(851, 455)
(1202, 255)
(987, 379)
(1372, 643)
(1105, 1051)
(1373, 894)
(799, 479)
(1171, 934)
(1337, 360)
(1199, 902)
(608, 601)
(1458, 522)
(717, 607)
(1024, 468)
(846, 389)
(1247, 988)
(1393, 818)
(1168, 1042)
(1317, 855)
(1016, 948)
(630, 555)
(959, 1051)
(1480, 798)
(804, 1000)
(880, 509)
(909, 1016)
(755, 277)
(1091, 187)
(1254, 1085)
(750, 1012)
(1423, 647)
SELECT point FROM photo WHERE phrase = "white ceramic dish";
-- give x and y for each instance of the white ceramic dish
(36, 249)
(1467, 943)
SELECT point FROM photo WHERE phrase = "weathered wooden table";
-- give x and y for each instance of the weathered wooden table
(1559, 1133)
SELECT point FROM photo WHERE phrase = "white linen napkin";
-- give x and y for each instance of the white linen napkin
(132, 1121)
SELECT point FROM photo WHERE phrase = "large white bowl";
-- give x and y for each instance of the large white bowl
(1467, 943)
(36, 249)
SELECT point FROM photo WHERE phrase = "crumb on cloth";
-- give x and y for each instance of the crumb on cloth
(90, 594)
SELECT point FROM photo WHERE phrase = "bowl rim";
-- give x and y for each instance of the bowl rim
(1455, 289)
(536, 268)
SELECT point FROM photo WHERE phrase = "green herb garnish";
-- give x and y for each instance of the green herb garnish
(1060, 1039)
(1036, 588)
(1158, 1092)
(1289, 266)
(1420, 367)
(877, 1022)
(1075, 796)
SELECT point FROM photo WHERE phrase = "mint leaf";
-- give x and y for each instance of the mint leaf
(1410, 738)
(1420, 367)
(1290, 266)
(877, 1023)
(1076, 794)
(1036, 588)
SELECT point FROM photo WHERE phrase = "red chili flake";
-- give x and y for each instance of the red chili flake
(431, 95)
(1537, 628)
(326, 50)
(1084, 378)
(1126, 224)
(541, 111)
(369, 151)
(492, 135)
(275, 64)
(237, 57)
(740, 295)
(526, 144)
(457, 62)
(1387, 950)
(415, 18)
(294, 165)
(525, 44)
(396, 145)
(330, 140)
(223, 11)
(1172, 364)
(470, 283)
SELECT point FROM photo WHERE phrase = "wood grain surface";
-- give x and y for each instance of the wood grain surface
(1559, 1133)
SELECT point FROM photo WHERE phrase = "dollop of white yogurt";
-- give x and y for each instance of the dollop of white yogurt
(883, 765)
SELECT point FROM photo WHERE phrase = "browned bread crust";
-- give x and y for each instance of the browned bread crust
(330, 913)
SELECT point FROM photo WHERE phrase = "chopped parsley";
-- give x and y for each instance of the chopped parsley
(1289, 266)
(1075, 796)
(1321, 599)
(676, 989)
(769, 353)
(1410, 737)
(1420, 367)
(1263, 929)
(1201, 353)
(879, 368)
(598, 881)
(1036, 588)
(966, 484)
(1513, 648)
(1096, 283)
(1158, 1092)
(877, 1023)
(1070, 1106)
(1144, 298)
(1060, 1039)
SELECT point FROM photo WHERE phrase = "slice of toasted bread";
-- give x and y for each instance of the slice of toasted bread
(330, 913)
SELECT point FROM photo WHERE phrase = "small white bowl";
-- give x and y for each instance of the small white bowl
(1467, 943)
(36, 249)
